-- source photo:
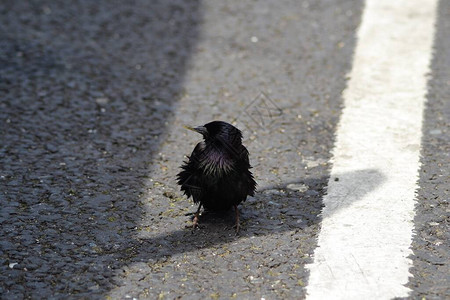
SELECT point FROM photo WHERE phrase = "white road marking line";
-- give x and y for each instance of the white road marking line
(367, 225)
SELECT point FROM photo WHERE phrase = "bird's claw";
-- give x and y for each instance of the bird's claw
(193, 227)
(194, 224)
(237, 227)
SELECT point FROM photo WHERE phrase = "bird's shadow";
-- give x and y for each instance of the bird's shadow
(295, 206)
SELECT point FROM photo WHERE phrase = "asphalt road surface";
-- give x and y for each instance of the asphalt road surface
(93, 96)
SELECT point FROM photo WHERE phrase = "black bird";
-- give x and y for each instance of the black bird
(217, 174)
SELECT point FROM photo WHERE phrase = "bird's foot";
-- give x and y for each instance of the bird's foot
(237, 226)
(193, 227)
(194, 224)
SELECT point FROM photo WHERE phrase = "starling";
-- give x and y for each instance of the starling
(217, 174)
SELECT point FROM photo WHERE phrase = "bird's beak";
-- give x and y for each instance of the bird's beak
(201, 129)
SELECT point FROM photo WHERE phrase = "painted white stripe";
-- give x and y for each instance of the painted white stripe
(367, 225)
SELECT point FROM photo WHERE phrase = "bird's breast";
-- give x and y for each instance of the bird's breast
(217, 165)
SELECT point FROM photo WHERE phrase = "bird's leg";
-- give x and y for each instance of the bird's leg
(237, 219)
(195, 220)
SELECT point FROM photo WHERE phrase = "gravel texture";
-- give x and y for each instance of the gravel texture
(431, 244)
(93, 98)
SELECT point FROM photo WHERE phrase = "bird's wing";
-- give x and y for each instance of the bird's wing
(249, 181)
(190, 177)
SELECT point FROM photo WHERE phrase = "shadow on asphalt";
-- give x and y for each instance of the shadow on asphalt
(87, 89)
(431, 258)
(295, 206)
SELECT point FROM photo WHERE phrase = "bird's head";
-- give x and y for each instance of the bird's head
(219, 131)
